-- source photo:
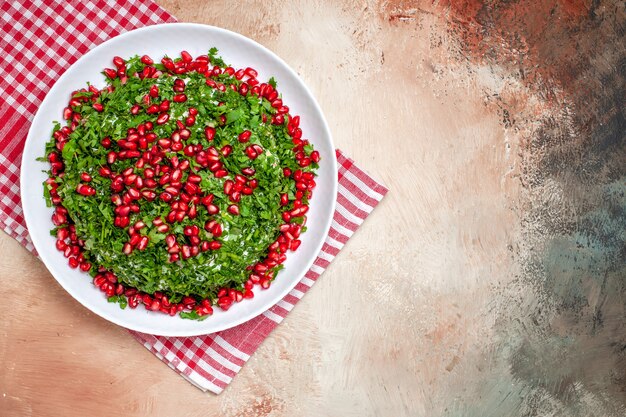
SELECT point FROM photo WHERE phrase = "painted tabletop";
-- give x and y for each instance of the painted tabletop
(491, 279)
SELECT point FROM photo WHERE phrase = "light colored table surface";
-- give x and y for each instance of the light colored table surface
(430, 309)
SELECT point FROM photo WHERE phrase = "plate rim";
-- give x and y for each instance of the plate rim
(28, 154)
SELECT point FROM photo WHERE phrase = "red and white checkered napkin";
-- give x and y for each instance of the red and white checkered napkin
(39, 42)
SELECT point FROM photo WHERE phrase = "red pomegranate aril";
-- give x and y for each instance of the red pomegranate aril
(253, 183)
(227, 150)
(233, 209)
(244, 136)
(248, 171)
(315, 156)
(85, 190)
(110, 73)
(251, 72)
(235, 197)
(284, 199)
(180, 216)
(145, 59)
(191, 188)
(209, 133)
(220, 173)
(134, 193)
(228, 186)
(286, 172)
(294, 244)
(134, 240)
(61, 245)
(172, 190)
(251, 153)
(63, 233)
(195, 179)
(127, 248)
(164, 106)
(73, 262)
(59, 219)
(122, 211)
(143, 243)
(286, 216)
(265, 283)
(179, 98)
(163, 118)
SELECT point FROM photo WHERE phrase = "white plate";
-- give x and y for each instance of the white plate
(156, 41)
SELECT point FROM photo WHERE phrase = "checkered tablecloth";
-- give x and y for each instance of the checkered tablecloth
(39, 41)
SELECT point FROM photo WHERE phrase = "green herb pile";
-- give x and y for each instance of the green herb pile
(245, 236)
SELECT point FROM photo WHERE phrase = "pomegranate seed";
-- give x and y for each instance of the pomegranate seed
(134, 241)
(163, 118)
(265, 283)
(143, 243)
(244, 136)
(248, 171)
(233, 209)
(227, 150)
(73, 262)
(85, 190)
(186, 56)
(251, 72)
(85, 177)
(214, 245)
(235, 197)
(164, 106)
(220, 173)
(145, 59)
(110, 73)
(228, 186)
(179, 98)
(284, 199)
(294, 244)
(251, 153)
(209, 132)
